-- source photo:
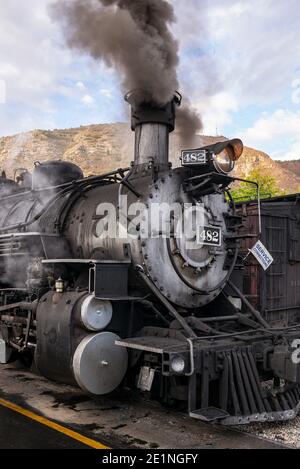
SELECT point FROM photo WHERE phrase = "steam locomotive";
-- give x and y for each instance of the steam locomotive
(161, 312)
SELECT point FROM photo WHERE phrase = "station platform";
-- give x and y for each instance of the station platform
(23, 429)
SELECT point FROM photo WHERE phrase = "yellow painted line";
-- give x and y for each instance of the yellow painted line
(55, 426)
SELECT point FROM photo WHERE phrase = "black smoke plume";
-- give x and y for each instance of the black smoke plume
(132, 36)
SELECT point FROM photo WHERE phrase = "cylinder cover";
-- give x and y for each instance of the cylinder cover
(98, 364)
(96, 314)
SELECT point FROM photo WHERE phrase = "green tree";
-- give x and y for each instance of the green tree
(268, 187)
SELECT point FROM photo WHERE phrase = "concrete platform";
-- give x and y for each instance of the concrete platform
(17, 432)
(121, 420)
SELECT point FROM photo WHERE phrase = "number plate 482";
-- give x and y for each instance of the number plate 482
(209, 236)
(190, 157)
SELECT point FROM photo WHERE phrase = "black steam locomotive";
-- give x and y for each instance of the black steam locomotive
(161, 310)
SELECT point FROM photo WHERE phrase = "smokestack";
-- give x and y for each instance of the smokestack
(152, 125)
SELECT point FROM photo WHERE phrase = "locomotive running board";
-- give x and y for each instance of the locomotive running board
(151, 344)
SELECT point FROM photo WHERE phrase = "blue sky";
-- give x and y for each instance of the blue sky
(239, 66)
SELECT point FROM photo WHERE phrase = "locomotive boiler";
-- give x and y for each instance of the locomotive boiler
(135, 277)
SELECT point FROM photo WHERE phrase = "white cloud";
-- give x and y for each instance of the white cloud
(39, 70)
(216, 111)
(257, 46)
(281, 129)
(8, 70)
(293, 152)
(16, 120)
(80, 85)
(233, 54)
(249, 51)
(87, 100)
(225, 11)
(281, 123)
(29, 55)
(106, 92)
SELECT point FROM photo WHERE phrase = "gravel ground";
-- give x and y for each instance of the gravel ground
(287, 433)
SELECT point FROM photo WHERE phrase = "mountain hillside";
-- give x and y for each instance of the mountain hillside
(293, 166)
(103, 147)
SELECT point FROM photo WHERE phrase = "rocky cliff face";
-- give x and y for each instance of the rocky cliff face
(293, 166)
(100, 148)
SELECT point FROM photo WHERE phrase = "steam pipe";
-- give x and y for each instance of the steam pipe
(22, 305)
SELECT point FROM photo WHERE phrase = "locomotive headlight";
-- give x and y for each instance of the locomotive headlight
(219, 157)
(178, 364)
(225, 154)
(223, 162)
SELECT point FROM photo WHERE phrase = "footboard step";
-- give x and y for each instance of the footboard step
(209, 414)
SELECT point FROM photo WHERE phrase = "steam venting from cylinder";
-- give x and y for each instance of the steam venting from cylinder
(133, 37)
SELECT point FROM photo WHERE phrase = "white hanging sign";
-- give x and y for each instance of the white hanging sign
(263, 256)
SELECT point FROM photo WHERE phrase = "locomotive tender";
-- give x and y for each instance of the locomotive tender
(162, 313)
